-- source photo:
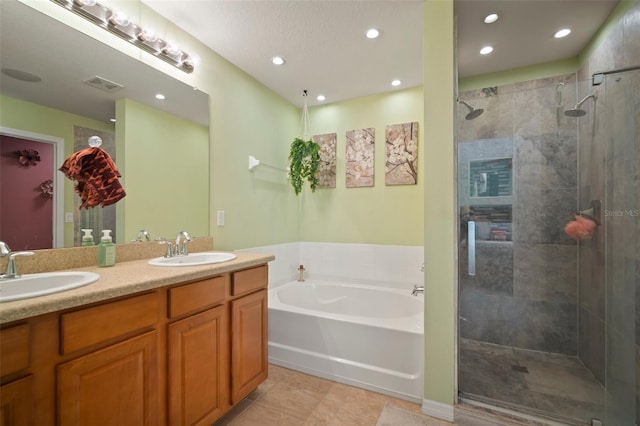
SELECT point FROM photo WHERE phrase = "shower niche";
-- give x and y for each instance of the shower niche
(490, 178)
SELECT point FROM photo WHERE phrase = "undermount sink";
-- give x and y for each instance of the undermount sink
(34, 285)
(193, 259)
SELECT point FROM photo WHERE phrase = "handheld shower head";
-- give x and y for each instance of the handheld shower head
(473, 112)
(576, 111)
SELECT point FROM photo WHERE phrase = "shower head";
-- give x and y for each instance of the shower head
(473, 112)
(576, 111)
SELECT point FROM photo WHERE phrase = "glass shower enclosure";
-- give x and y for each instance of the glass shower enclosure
(548, 324)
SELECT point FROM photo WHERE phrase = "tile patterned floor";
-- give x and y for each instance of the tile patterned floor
(291, 398)
(542, 383)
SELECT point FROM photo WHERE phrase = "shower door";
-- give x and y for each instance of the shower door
(609, 273)
(547, 325)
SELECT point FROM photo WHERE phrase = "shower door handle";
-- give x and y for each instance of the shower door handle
(471, 235)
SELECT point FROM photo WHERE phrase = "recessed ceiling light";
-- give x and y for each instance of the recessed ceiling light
(486, 50)
(372, 33)
(396, 83)
(491, 18)
(113, 120)
(321, 98)
(562, 33)
(160, 96)
(277, 60)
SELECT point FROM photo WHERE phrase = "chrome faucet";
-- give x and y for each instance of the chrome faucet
(12, 272)
(181, 249)
(143, 234)
(417, 289)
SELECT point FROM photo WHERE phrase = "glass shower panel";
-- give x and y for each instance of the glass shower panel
(618, 126)
(517, 188)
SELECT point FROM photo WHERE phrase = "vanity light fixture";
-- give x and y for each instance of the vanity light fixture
(396, 83)
(119, 24)
(486, 50)
(562, 33)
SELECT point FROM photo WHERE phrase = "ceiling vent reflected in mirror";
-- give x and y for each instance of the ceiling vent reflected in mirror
(103, 84)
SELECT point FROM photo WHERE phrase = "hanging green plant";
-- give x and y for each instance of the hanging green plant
(304, 159)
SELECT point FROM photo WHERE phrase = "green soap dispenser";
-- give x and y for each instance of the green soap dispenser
(106, 250)
(87, 238)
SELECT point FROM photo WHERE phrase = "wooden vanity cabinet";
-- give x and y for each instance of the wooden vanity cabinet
(16, 400)
(177, 355)
(197, 353)
(249, 363)
(118, 381)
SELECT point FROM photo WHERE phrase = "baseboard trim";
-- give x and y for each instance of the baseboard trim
(438, 410)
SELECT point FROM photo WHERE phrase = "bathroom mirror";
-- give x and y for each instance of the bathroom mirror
(77, 76)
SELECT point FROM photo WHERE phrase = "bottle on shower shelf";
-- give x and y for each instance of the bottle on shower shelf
(301, 273)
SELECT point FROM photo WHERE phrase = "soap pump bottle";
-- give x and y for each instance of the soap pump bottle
(106, 250)
(87, 238)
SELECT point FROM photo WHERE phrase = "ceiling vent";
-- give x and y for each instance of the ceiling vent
(103, 84)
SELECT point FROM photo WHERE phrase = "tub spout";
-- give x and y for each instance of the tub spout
(417, 289)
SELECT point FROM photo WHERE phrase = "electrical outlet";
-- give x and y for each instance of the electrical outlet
(220, 218)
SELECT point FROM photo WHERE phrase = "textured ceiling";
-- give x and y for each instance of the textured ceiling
(326, 52)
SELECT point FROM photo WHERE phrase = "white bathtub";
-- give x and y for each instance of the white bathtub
(366, 336)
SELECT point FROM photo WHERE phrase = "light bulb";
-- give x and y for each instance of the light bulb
(148, 35)
(486, 50)
(372, 33)
(119, 19)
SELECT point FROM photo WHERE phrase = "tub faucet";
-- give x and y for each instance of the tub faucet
(181, 249)
(417, 289)
(12, 272)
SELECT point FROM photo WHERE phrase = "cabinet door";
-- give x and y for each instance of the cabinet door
(197, 380)
(117, 385)
(248, 344)
(16, 403)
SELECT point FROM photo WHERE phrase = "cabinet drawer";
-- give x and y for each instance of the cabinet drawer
(14, 349)
(90, 326)
(196, 296)
(250, 280)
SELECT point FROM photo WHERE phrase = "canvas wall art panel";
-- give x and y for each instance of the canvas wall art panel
(401, 167)
(327, 169)
(359, 157)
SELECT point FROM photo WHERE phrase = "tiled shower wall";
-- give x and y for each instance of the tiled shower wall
(609, 161)
(524, 291)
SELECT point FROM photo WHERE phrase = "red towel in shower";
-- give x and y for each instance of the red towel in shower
(96, 175)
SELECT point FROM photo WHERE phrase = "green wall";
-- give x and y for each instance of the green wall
(440, 221)
(30, 117)
(369, 215)
(165, 163)
(249, 119)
